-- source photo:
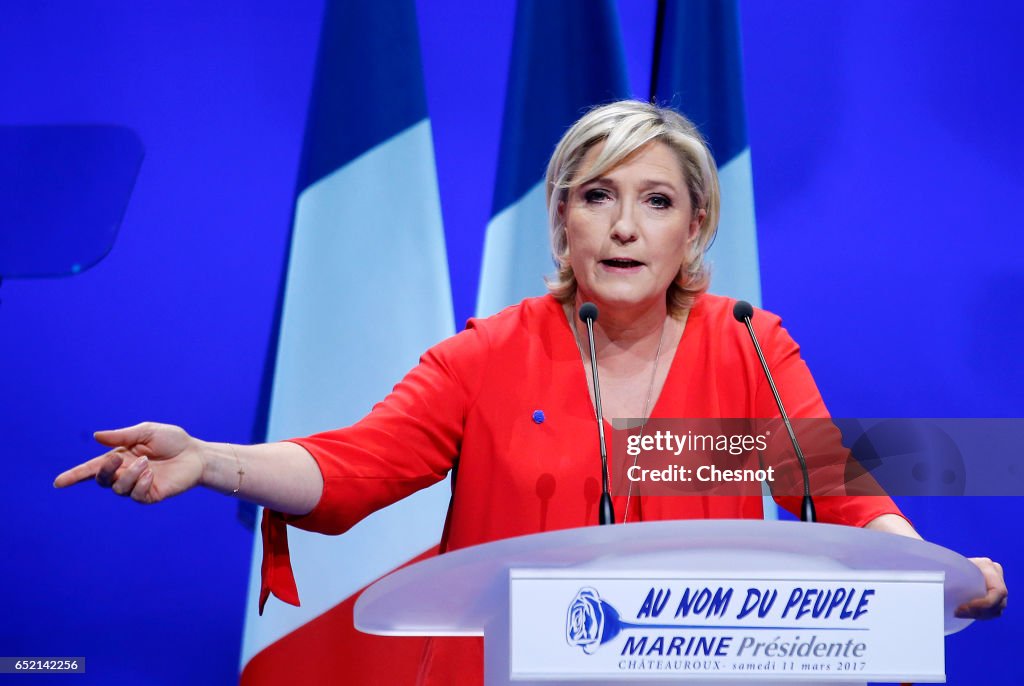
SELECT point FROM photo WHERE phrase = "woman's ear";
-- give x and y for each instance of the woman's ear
(565, 230)
(695, 224)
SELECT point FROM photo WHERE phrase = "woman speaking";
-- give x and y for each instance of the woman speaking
(633, 205)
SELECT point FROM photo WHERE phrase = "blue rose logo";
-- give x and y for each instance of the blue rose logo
(584, 623)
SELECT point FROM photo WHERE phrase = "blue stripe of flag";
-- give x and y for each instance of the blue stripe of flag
(359, 99)
(700, 71)
(566, 57)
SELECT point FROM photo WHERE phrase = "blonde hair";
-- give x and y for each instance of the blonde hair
(624, 127)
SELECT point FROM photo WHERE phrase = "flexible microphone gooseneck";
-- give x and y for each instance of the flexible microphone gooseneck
(743, 312)
(606, 514)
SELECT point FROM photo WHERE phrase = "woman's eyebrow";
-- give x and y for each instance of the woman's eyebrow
(601, 180)
(644, 183)
(648, 183)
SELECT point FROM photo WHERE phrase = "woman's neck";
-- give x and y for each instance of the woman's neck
(636, 331)
(635, 351)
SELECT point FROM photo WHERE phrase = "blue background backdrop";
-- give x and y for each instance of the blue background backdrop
(885, 140)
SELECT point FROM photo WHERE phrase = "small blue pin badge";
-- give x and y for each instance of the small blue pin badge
(538, 416)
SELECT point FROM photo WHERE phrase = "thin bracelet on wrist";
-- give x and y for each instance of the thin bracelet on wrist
(241, 472)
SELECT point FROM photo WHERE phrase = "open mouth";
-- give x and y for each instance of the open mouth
(621, 263)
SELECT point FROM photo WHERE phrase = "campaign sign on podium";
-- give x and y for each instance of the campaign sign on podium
(697, 602)
(630, 624)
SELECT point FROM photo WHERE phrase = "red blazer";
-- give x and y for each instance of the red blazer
(472, 400)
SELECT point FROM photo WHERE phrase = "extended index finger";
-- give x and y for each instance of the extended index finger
(86, 470)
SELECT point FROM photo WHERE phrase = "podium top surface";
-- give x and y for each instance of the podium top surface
(458, 593)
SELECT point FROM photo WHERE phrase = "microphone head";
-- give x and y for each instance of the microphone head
(742, 311)
(588, 312)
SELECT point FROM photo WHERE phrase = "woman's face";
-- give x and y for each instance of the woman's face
(629, 230)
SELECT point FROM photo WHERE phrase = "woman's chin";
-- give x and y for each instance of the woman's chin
(622, 300)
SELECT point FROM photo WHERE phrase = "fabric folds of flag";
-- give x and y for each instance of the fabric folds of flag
(566, 58)
(698, 70)
(367, 224)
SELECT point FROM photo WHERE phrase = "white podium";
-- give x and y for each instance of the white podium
(715, 601)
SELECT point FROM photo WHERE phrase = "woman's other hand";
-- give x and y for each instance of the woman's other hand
(988, 606)
(993, 603)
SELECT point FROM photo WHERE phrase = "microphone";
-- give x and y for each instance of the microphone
(606, 514)
(743, 312)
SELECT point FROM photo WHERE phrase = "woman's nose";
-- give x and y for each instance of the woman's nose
(624, 230)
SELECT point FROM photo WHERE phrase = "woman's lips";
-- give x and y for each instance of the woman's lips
(621, 264)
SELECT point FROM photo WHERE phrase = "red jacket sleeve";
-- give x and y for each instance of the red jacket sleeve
(409, 441)
(803, 401)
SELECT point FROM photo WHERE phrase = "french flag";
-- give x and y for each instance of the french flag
(566, 58)
(698, 70)
(366, 292)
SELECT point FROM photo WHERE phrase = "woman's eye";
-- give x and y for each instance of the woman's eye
(596, 195)
(660, 202)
